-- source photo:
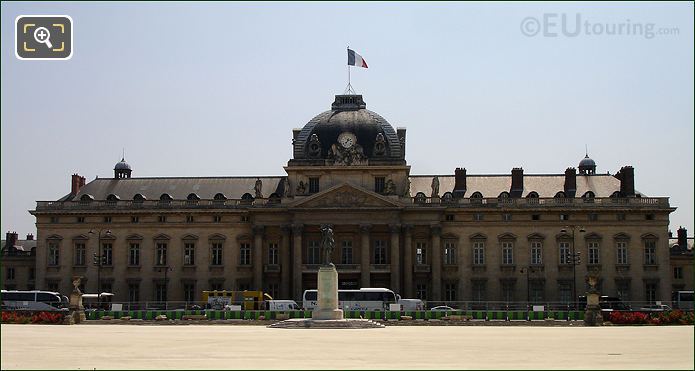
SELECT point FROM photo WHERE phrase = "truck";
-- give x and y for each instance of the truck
(281, 305)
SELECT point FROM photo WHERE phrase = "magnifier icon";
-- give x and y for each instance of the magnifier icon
(42, 36)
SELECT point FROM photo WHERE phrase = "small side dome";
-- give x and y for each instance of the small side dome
(587, 166)
(122, 170)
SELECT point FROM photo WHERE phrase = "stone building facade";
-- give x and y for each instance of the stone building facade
(450, 237)
(18, 268)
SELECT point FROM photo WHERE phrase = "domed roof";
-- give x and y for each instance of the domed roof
(587, 162)
(374, 136)
(122, 165)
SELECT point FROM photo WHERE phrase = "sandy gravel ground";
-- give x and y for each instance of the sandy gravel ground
(89, 347)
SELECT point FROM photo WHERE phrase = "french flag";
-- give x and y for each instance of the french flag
(355, 59)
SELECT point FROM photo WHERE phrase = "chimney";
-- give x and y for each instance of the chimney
(626, 175)
(400, 132)
(30, 237)
(683, 238)
(77, 183)
(570, 182)
(517, 182)
(11, 241)
(460, 182)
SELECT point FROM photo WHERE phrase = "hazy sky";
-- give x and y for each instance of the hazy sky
(216, 88)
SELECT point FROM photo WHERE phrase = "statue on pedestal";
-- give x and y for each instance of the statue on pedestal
(327, 243)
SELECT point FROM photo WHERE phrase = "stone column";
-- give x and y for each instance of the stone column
(436, 231)
(258, 256)
(365, 278)
(285, 262)
(297, 261)
(395, 257)
(408, 262)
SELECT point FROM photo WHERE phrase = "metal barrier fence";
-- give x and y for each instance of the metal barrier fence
(487, 315)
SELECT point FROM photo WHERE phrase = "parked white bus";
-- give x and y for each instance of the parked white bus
(682, 300)
(362, 299)
(33, 300)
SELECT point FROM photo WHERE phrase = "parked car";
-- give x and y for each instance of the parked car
(655, 308)
(442, 308)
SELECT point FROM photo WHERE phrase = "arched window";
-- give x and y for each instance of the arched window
(560, 194)
(588, 196)
(165, 197)
(138, 198)
(420, 198)
(448, 198)
(86, 198)
(532, 194)
(615, 194)
(532, 198)
(477, 198)
(220, 197)
(193, 197)
(247, 197)
(112, 197)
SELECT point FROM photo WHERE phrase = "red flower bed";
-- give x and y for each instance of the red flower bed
(32, 317)
(675, 317)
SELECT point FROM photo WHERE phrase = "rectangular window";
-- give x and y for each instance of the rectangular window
(161, 253)
(313, 185)
(54, 219)
(107, 253)
(565, 291)
(623, 290)
(106, 286)
(244, 253)
(188, 292)
(379, 252)
(80, 254)
(650, 292)
(32, 274)
(189, 253)
(479, 291)
(160, 292)
(107, 219)
(245, 219)
(134, 254)
(564, 253)
(450, 290)
(449, 253)
(593, 217)
(564, 217)
(536, 253)
(536, 217)
(594, 253)
(135, 219)
(478, 217)
(479, 253)
(273, 289)
(621, 251)
(313, 255)
(421, 253)
(346, 255)
(649, 217)
(189, 218)
(537, 291)
(507, 253)
(507, 217)
(216, 254)
(162, 218)
(508, 291)
(678, 273)
(273, 254)
(421, 291)
(379, 183)
(10, 273)
(52, 286)
(53, 254)
(449, 217)
(80, 219)
(620, 217)
(216, 219)
(133, 292)
(650, 252)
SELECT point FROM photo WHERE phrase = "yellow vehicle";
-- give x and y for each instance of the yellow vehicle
(248, 300)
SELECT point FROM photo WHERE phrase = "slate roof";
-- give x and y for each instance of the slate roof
(603, 185)
(22, 245)
(179, 188)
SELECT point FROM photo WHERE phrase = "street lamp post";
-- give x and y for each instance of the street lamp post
(166, 270)
(574, 258)
(99, 260)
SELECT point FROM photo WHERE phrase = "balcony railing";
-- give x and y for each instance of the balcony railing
(659, 202)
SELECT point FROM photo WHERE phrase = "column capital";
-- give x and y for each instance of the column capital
(436, 229)
(285, 229)
(365, 228)
(258, 229)
(297, 228)
(407, 228)
(395, 228)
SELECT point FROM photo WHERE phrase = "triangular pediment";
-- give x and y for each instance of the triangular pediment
(346, 195)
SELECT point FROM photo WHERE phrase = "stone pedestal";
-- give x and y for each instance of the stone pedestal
(327, 308)
(592, 316)
(76, 308)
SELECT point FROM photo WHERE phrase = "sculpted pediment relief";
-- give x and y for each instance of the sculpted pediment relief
(346, 196)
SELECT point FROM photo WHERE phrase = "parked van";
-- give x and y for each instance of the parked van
(411, 304)
(281, 305)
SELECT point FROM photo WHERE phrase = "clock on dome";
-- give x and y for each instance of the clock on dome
(347, 139)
